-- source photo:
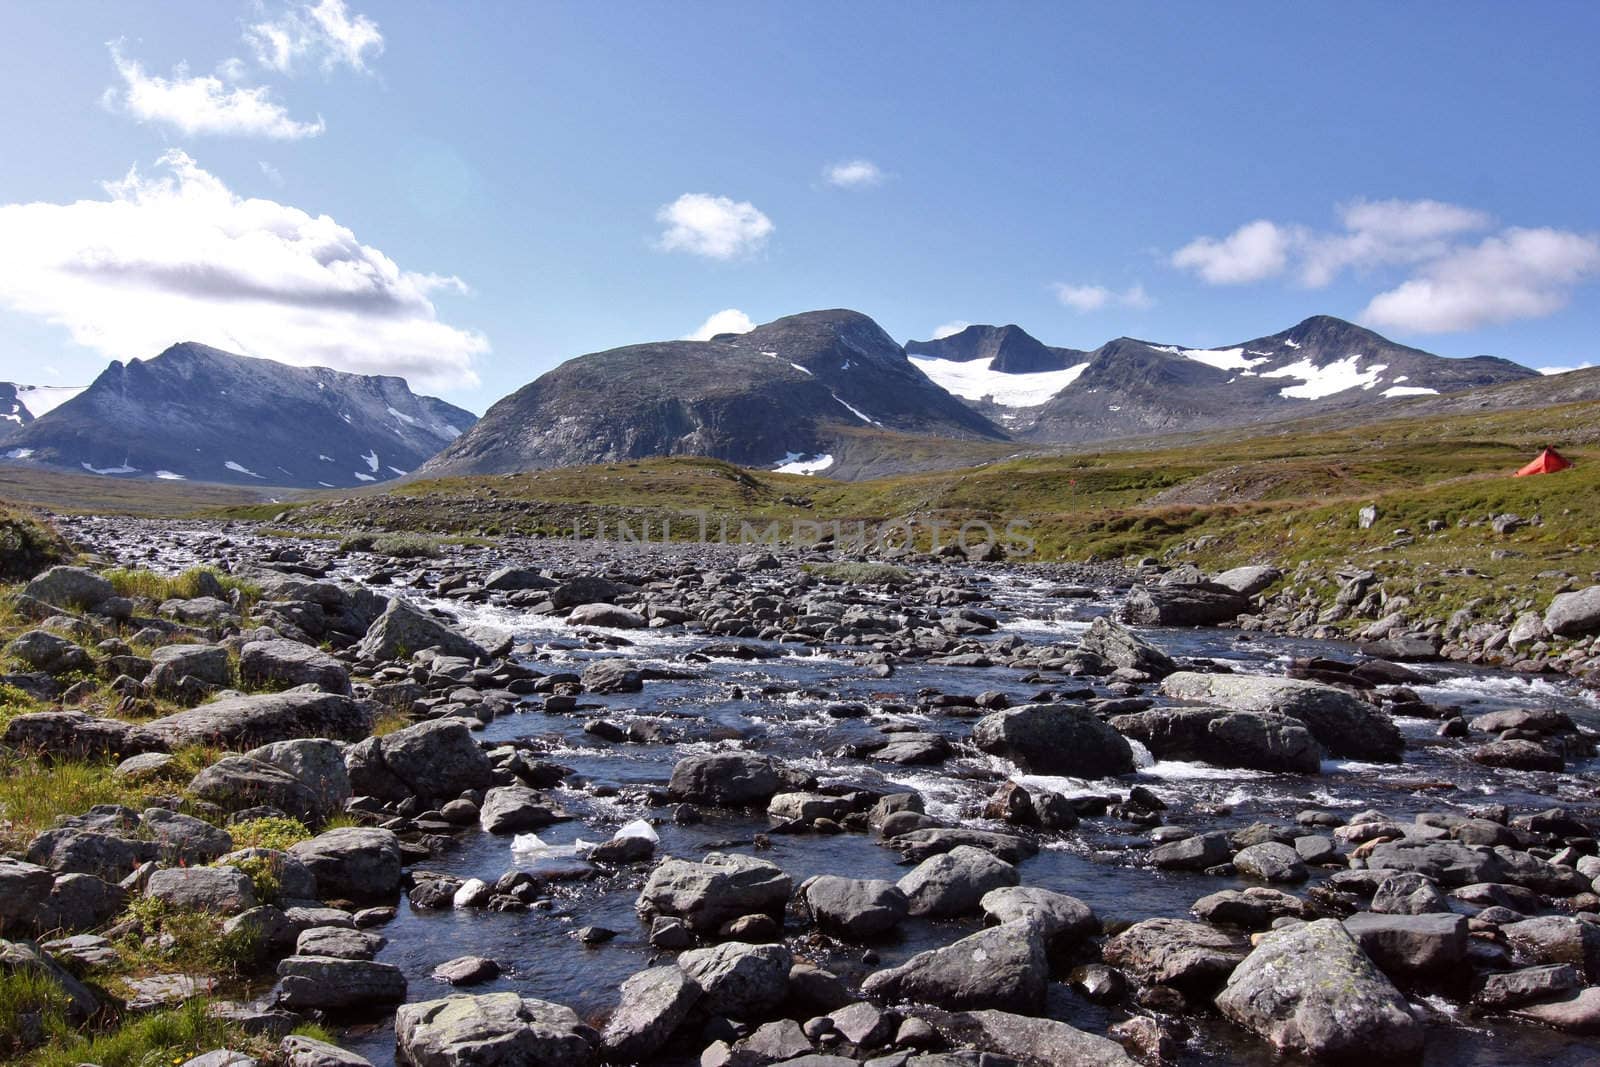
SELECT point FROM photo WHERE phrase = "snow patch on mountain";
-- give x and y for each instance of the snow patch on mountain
(1409, 390)
(372, 461)
(975, 380)
(1317, 382)
(239, 468)
(124, 469)
(39, 399)
(857, 412)
(799, 463)
(1220, 358)
(19, 453)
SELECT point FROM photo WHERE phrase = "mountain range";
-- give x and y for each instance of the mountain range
(825, 392)
(200, 414)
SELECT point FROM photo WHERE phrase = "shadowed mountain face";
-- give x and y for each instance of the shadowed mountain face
(1009, 350)
(202, 414)
(778, 393)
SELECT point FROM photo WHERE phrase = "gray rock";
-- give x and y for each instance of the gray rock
(708, 894)
(1518, 754)
(338, 942)
(605, 615)
(857, 909)
(437, 760)
(1574, 614)
(511, 579)
(207, 663)
(220, 890)
(1195, 853)
(1248, 581)
(1516, 988)
(612, 675)
(41, 650)
(183, 838)
(357, 863)
(24, 887)
(1123, 648)
(281, 663)
(953, 883)
(1061, 919)
(1309, 989)
(405, 629)
(774, 1042)
(655, 1002)
(737, 979)
(301, 1051)
(1557, 939)
(80, 902)
(74, 735)
(1191, 956)
(729, 779)
(295, 880)
(1343, 724)
(467, 970)
(1192, 604)
(1261, 741)
(492, 1030)
(1408, 893)
(1024, 1039)
(1271, 861)
(267, 928)
(70, 587)
(510, 808)
(249, 721)
(1411, 946)
(1446, 862)
(235, 783)
(318, 764)
(1002, 966)
(326, 983)
(1059, 739)
(1575, 1013)
(1255, 908)
(23, 958)
(69, 850)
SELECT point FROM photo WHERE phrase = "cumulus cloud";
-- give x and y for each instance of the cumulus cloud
(1254, 251)
(1585, 365)
(1087, 298)
(326, 34)
(713, 226)
(853, 174)
(950, 329)
(728, 320)
(1448, 277)
(202, 103)
(179, 257)
(1516, 274)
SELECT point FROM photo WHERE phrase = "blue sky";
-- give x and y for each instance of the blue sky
(469, 194)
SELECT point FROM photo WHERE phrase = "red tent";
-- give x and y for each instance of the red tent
(1549, 462)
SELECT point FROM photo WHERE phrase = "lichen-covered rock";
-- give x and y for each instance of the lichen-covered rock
(722, 888)
(1002, 967)
(492, 1030)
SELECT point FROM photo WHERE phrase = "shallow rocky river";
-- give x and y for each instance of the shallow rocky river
(819, 707)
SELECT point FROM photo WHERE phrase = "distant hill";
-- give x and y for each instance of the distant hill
(198, 413)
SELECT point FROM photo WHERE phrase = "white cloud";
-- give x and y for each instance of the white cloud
(729, 320)
(326, 33)
(1382, 232)
(713, 226)
(1087, 298)
(203, 104)
(1585, 365)
(271, 173)
(1515, 274)
(853, 174)
(950, 329)
(181, 257)
(1254, 251)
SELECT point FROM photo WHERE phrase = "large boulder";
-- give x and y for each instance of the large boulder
(654, 1003)
(492, 1030)
(954, 882)
(608, 676)
(1557, 939)
(353, 862)
(283, 664)
(728, 779)
(1346, 726)
(219, 890)
(737, 979)
(1191, 956)
(1574, 614)
(720, 889)
(235, 783)
(436, 760)
(510, 808)
(1309, 989)
(1061, 919)
(1062, 739)
(70, 587)
(183, 839)
(1001, 967)
(606, 615)
(1025, 1039)
(63, 735)
(1448, 863)
(317, 763)
(1190, 604)
(1411, 946)
(76, 850)
(42, 650)
(1121, 647)
(24, 887)
(330, 983)
(857, 909)
(1248, 581)
(251, 721)
(1261, 741)
(170, 664)
(405, 629)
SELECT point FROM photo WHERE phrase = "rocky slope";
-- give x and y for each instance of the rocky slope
(201, 414)
(773, 396)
